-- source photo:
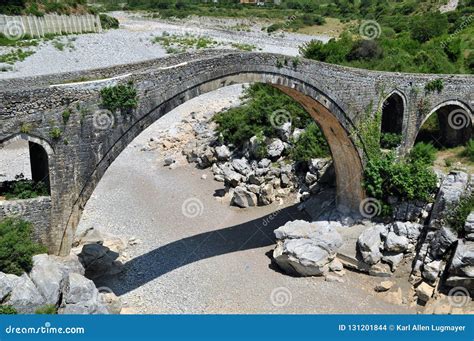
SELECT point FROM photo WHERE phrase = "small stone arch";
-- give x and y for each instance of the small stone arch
(455, 121)
(40, 153)
(393, 113)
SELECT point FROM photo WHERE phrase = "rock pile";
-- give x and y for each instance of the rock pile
(257, 174)
(56, 281)
(384, 245)
(308, 249)
(442, 243)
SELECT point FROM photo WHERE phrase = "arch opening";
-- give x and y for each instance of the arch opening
(24, 172)
(327, 114)
(447, 126)
(392, 121)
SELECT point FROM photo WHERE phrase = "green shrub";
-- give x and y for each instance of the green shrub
(108, 22)
(311, 144)
(457, 215)
(435, 85)
(119, 97)
(365, 50)
(7, 310)
(55, 133)
(390, 140)
(424, 153)
(24, 189)
(66, 115)
(49, 309)
(428, 26)
(469, 150)
(17, 247)
(385, 176)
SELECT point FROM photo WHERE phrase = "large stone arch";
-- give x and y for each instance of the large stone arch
(336, 125)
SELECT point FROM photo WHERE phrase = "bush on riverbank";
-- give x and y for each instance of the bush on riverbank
(264, 111)
(17, 246)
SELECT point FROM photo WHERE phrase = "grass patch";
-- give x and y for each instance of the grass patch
(179, 44)
(49, 309)
(14, 56)
(23, 189)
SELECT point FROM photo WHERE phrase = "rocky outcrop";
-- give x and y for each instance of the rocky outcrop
(442, 243)
(307, 249)
(53, 281)
(387, 244)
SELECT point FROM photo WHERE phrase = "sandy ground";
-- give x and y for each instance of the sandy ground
(215, 258)
(132, 42)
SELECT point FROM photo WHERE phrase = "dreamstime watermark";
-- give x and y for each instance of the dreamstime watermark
(458, 297)
(192, 208)
(279, 118)
(466, 22)
(370, 208)
(281, 297)
(459, 119)
(370, 29)
(103, 119)
(14, 30)
(47, 328)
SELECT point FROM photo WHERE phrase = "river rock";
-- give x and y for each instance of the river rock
(394, 243)
(25, 297)
(243, 198)
(424, 291)
(306, 249)
(463, 260)
(393, 259)
(98, 260)
(81, 297)
(267, 194)
(369, 243)
(275, 148)
(442, 240)
(407, 229)
(7, 282)
(431, 270)
(47, 277)
(469, 226)
(452, 188)
(242, 166)
(222, 153)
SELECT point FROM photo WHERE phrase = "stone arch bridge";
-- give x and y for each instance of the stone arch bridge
(74, 152)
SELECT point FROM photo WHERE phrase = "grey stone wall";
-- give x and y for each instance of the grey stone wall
(89, 143)
(37, 211)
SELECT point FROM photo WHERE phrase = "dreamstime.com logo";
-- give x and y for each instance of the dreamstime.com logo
(458, 297)
(370, 208)
(103, 119)
(192, 208)
(281, 297)
(14, 30)
(46, 329)
(459, 119)
(279, 118)
(370, 29)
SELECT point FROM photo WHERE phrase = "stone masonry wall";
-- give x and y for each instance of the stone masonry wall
(91, 138)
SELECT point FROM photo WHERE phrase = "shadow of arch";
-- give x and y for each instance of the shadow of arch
(335, 124)
(454, 121)
(40, 152)
(167, 258)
